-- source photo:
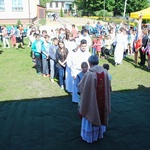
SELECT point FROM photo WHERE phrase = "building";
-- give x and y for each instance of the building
(26, 11)
(56, 5)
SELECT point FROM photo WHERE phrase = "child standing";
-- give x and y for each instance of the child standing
(108, 43)
(106, 66)
(84, 67)
(98, 46)
(94, 46)
(37, 48)
(147, 51)
(45, 56)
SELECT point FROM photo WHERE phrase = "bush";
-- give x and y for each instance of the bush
(61, 12)
(18, 22)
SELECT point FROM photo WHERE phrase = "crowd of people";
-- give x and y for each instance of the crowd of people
(13, 36)
(72, 56)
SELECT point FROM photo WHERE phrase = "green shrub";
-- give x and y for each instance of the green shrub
(61, 12)
(18, 22)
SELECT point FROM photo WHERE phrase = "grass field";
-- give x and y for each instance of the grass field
(18, 80)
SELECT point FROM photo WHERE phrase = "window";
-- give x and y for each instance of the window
(2, 7)
(17, 5)
(56, 4)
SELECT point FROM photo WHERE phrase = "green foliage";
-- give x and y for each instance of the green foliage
(61, 12)
(103, 13)
(115, 6)
(18, 22)
(42, 21)
(43, 2)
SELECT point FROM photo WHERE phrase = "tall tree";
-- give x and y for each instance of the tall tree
(117, 6)
(43, 2)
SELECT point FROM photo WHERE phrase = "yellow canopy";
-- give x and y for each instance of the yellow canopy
(145, 14)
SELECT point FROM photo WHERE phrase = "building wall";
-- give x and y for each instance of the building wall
(41, 12)
(56, 6)
(8, 13)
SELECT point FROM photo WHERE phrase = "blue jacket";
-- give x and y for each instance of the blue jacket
(37, 47)
(52, 52)
(45, 49)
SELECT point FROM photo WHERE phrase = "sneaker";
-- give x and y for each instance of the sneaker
(44, 75)
(39, 73)
(48, 75)
(52, 80)
(62, 87)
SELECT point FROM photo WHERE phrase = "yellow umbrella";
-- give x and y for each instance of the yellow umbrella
(145, 14)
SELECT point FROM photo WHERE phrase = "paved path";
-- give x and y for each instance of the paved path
(60, 22)
(69, 21)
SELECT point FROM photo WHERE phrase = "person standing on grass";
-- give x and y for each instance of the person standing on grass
(81, 55)
(45, 56)
(95, 104)
(144, 44)
(74, 31)
(94, 46)
(37, 49)
(71, 45)
(19, 39)
(147, 52)
(84, 68)
(13, 36)
(61, 59)
(106, 66)
(98, 46)
(52, 56)
(5, 37)
(120, 46)
(138, 40)
(86, 37)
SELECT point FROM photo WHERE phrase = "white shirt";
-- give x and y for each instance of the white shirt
(77, 60)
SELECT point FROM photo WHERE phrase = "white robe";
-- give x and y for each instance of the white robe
(70, 45)
(76, 62)
(121, 41)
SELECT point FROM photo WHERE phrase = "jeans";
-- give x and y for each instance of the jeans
(38, 63)
(45, 66)
(5, 41)
(61, 72)
(52, 68)
(142, 57)
(93, 51)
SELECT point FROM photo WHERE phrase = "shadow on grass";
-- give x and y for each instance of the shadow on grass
(53, 123)
(1, 51)
(131, 61)
(111, 60)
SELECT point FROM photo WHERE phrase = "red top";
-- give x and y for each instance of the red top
(98, 47)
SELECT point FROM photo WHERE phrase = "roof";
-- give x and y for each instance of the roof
(41, 6)
(145, 14)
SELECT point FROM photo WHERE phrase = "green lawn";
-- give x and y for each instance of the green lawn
(18, 80)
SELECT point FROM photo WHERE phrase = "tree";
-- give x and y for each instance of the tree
(43, 2)
(61, 12)
(18, 22)
(132, 6)
(115, 6)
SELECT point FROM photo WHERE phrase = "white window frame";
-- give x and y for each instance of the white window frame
(17, 5)
(2, 5)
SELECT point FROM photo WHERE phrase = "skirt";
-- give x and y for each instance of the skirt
(91, 133)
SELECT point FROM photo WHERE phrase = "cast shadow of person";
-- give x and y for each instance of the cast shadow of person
(1, 51)
(131, 61)
(111, 60)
